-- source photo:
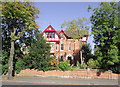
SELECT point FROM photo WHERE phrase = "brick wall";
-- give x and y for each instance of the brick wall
(73, 74)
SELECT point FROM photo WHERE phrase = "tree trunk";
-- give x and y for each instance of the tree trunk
(81, 57)
(10, 68)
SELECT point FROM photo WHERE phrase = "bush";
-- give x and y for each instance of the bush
(83, 66)
(53, 64)
(64, 66)
(116, 68)
(92, 63)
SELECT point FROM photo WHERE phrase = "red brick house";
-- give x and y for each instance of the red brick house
(63, 46)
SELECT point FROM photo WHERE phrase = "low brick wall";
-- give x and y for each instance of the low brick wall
(72, 74)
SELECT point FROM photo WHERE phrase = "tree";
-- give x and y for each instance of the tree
(17, 18)
(77, 28)
(87, 52)
(80, 26)
(105, 30)
(38, 56)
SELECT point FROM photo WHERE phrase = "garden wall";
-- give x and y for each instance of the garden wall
(72, 74)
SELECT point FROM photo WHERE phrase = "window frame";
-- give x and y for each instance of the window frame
(47, 34)
(62, 46)
(69, 47)
(50, 34)
(53, 35)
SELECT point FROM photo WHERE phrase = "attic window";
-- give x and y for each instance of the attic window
(53, 34)
(50, 35)
(50, 28)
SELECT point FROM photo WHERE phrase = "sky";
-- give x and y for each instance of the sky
(55, 13)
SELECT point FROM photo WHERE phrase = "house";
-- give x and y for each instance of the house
(63, 46)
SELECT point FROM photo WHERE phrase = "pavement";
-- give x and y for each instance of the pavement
(38, 80)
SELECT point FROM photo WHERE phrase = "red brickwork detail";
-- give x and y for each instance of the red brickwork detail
(74, 73)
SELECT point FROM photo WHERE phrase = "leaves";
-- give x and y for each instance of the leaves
(105, 30)
(18, 25)
(38, 57)
(80, 26)
(18, 15)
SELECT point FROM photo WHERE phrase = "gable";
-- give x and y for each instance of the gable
(50, 33)
(49, 28)
(62, 32)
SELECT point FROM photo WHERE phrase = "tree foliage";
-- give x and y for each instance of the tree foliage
(87, 52)
(80, 26)
(18, 25)
(106, 32)
(38, 56)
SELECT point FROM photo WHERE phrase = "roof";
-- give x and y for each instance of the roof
(79, 33)
(68, 33)
(74, 34)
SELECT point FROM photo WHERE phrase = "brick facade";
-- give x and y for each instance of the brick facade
(64, 47)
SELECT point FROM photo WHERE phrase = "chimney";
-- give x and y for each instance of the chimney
(61, 27)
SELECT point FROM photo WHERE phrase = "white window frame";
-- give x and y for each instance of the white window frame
(52, 46)
(50, 34)
(47, 34)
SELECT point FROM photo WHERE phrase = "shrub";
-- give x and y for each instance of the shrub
(83, 66)
(64, 66)
(116, 68)
(92, 63)
(53, 64)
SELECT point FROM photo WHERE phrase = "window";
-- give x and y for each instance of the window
(61, 36)
(47, 34)
(52, 46)
(50, 35)
(57, 47)
(62, 48)
(69, 46)
(53, 34)
(61, 59)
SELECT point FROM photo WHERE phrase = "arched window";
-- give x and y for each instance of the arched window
(61, 58)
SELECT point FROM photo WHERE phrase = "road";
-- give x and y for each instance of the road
(35, 80)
